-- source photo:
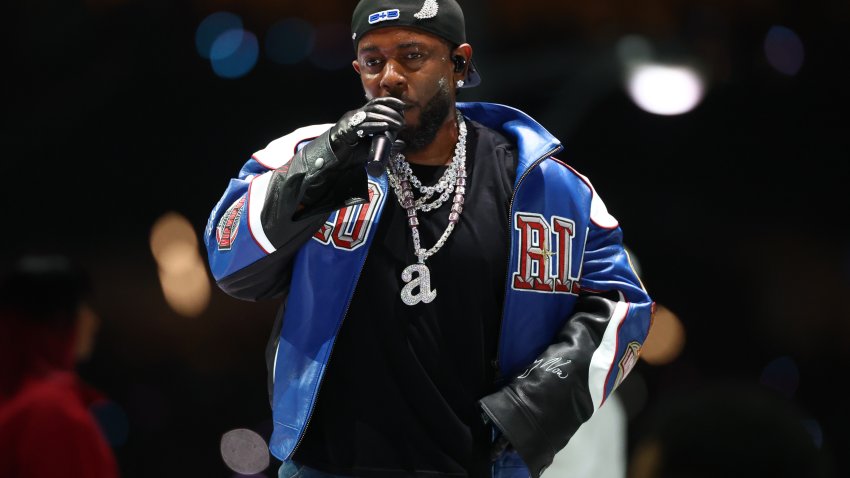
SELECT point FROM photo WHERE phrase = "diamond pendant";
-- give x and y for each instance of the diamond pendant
(422, 282)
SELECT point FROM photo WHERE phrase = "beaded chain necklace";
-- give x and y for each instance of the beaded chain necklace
(454, 179)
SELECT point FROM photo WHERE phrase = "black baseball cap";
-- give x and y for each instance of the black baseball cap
(443, 18)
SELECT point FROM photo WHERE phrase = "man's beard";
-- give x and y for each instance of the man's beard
(431, 118)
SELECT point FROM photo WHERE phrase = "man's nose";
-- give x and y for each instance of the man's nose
(394, 78)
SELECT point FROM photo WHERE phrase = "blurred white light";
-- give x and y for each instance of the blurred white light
(182, 273)
(784, 50)
(244, 451)
(665, 90)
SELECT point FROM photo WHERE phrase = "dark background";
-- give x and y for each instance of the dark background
(736, 210)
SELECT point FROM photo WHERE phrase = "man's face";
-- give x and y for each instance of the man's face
(413, 66)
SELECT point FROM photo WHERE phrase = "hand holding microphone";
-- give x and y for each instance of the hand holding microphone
(381, 119)
(382, 146)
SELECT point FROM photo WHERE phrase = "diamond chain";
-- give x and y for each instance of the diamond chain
(401, 171)
(401, 184)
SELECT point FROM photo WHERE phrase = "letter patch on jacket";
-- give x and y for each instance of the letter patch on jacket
(350, 227)
(228, 226)
(545, 254)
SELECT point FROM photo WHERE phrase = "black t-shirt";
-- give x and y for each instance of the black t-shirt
(399, 397)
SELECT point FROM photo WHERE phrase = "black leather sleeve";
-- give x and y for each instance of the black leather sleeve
(314, 183)
(300, 197)
(541, 409)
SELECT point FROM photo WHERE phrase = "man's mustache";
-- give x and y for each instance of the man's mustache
(408, 104)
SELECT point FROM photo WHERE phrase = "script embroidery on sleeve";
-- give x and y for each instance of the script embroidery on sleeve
(551, 365)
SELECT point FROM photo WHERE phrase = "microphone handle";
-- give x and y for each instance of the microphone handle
(379, 153)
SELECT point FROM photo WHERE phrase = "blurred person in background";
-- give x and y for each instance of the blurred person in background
(730, 430)
(47, 326)
(440, 368)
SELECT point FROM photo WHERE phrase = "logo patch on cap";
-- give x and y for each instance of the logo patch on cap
(383, 16)
(429, 10)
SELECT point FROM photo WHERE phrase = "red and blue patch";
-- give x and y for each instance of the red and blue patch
(228, 226)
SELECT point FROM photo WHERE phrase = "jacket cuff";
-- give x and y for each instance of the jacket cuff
(506, 411)
(311, 186)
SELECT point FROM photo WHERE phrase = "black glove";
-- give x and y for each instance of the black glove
(378, 116)
(326, 175)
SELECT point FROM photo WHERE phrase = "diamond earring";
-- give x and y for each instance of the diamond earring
(460, 83)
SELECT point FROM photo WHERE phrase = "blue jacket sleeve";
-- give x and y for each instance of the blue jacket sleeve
(281, 197)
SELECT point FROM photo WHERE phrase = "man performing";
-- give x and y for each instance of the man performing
(458, 310)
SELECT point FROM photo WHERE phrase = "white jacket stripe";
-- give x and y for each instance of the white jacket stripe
(603, 358)
(256, 199)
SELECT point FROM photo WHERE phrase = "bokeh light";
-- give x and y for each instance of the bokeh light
(186, 291)
(782, 375)
(784, 50)
(665, 89)
(333, 49)
(244, 451)
(234, 53)
(666, 338)
(171, 230)
(211, 28)
(290, 41)
(182, 273)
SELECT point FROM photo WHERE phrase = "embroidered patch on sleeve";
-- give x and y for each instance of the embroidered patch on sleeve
(350, 228)
(228, 226)
(627, 363)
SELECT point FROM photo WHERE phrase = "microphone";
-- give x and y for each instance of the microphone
(379, 153)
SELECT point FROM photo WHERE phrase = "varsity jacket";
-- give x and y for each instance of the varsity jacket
(297, 224)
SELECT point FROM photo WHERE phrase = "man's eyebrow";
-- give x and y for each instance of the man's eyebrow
(401, 46)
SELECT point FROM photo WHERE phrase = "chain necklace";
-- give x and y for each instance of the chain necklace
(444, 186)
(401, 177)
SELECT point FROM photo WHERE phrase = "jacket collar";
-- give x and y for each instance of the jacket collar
(532, 139)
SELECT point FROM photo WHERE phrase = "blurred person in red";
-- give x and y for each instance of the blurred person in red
(46, 327)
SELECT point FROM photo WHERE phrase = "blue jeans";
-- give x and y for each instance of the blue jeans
(291, 469)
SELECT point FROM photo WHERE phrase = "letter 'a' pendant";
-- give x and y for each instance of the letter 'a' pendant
(422, 282)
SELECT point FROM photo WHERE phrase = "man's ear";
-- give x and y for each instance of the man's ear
(464, 51)
(356, 65)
